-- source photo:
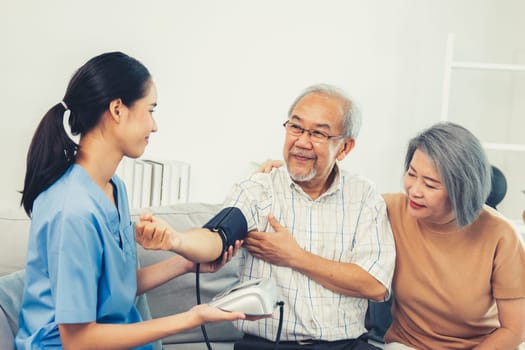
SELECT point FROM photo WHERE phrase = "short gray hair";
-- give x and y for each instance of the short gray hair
(351, 113)
(459, 157)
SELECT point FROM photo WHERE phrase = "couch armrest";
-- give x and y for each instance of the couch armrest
(11, 289)
(7, 339)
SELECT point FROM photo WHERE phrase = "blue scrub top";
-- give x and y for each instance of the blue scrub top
(81, 261)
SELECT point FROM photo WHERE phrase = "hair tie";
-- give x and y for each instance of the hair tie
(64, 104)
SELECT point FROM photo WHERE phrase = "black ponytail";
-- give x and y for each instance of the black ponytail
(101, 80)
(50, 154)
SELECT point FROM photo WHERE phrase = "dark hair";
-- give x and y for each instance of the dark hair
(460, 159)
(99, 81)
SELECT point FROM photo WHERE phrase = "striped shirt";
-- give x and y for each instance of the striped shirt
(348, 223)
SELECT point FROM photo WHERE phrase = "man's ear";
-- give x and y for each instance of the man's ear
(116, 107)
(348, 145)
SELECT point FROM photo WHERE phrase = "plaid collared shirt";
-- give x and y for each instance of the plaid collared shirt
(348, 223)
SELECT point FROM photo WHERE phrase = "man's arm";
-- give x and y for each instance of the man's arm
(198, 244)
(280, 248)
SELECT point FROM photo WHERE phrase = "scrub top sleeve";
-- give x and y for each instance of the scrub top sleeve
(74, 267)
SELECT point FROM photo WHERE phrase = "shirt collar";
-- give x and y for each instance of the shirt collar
(334, 187)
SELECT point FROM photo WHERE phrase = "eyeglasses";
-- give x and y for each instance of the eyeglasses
(315, 135)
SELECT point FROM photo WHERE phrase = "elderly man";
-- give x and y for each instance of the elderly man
(320, 233)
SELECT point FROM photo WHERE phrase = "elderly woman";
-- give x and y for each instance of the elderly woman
(459, 281)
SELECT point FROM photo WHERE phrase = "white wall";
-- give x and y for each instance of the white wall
(226, 72)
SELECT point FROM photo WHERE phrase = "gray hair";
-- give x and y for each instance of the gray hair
(462, 163)
(351, 113)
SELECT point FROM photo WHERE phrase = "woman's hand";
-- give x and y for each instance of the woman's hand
(155, 234)
(217, 265)
(210, 314)
(269, 165)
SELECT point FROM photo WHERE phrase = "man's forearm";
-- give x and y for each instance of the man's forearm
(340, 277)
(199, 245)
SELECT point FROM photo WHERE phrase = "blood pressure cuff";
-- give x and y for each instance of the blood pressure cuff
(230, 224)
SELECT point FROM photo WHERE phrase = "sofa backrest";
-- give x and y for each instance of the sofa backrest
(14, 231)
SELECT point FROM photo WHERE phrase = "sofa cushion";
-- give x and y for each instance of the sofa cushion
(179, 295)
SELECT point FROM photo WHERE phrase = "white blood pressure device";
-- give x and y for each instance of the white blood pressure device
(256, 297)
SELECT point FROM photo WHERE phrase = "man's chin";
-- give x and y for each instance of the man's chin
(302, 177)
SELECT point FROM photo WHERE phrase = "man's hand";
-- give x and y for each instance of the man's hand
(277, 247)
(155, 234)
